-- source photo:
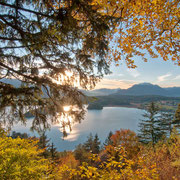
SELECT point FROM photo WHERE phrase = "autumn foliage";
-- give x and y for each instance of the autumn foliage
(127, 139)
(141, 27)
(149, 26)
(22, 159)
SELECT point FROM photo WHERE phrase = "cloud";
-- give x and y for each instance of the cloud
(114, 75)
(164, 77)
(133, 72)
(177, 77)
(120, 75)
(115, 83)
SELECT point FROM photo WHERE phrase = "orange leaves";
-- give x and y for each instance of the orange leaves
(124, 136)
(127, 139)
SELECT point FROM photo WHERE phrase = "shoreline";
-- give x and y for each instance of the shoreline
(127, 106)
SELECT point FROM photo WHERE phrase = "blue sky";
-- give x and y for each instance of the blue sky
(155, 71)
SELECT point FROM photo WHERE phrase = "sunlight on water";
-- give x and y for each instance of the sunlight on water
(100, 122)
(73, 135)
(66, 122)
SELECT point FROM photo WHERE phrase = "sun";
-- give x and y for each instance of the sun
(69, 73)
(66, 108)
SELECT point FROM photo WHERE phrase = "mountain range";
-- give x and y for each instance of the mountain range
(137, 90)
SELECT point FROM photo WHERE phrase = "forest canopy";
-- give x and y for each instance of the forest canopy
(55, 47)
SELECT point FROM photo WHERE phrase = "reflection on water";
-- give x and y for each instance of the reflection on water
(73, 135)
(67, 119)
(96, 121)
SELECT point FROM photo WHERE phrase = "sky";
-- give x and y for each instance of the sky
(155, 71)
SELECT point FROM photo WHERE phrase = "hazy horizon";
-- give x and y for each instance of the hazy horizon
(155, 71)
(133, 85)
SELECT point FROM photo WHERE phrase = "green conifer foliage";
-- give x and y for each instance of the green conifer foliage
(150, 130)
(108, 140)
(166, 123)
(176, 121)
(51, 52)
(96, 145)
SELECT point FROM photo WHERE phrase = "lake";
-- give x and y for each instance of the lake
(96, 121)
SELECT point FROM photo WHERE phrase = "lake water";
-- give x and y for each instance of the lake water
(96, 121)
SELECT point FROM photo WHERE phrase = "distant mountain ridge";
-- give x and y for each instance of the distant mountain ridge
(138, 90)
(144, 89)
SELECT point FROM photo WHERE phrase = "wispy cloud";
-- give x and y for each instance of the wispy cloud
(177, 77)
(134, 72)
(164, 77)
(115, 83)
(114, 75)
(120, 75)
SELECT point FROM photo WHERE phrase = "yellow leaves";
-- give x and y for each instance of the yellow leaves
(145, 24)
(140, 23)
(20, 158)
(154, 2)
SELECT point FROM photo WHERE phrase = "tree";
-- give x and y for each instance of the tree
(166, 122)
(116, 168)
(53, 151)
(128, 140)
(96, 144)
(150, 131)
(50, 46)
(88, 145)
(108, 140)
(81, 154)
(44, 144)
(18, 134)
(144, 29)
(19, 159)
(92, 144)
(176, 121)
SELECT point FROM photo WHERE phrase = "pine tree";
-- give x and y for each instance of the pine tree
(166, 123)
(88, 145)
(108, 140)
(44, 144)
(150, 130)
(92, 144)
(53, 151)
(50, 52)
(176, 121)
(81, 154)
(96, 145)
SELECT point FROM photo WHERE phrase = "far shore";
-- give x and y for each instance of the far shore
(138, 106)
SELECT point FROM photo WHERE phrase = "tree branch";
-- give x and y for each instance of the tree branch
(10, 39)
(23, 9)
